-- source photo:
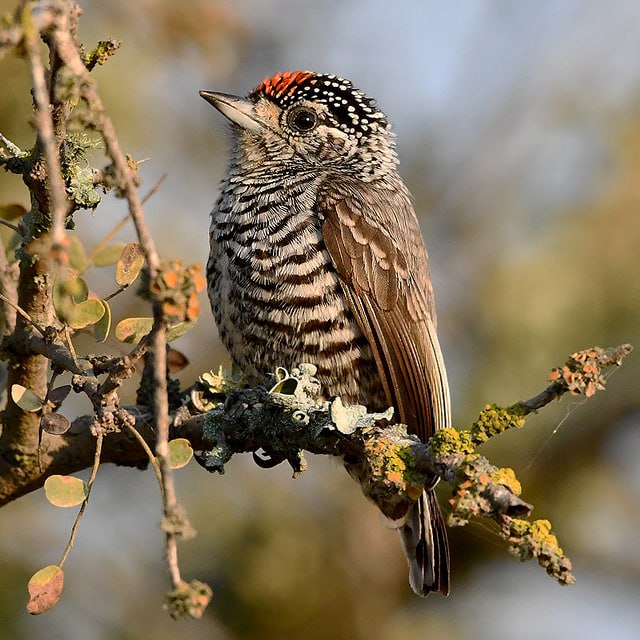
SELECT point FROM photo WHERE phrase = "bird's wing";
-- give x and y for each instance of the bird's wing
(377, 249)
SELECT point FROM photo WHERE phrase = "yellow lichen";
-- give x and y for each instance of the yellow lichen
(507, 477)
(393, 463)
(450, 440)
(494, 420)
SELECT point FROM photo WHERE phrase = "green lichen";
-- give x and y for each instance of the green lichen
(494, 420)
(212, 388)
(81, 188)
(218, 452)
(450, 440)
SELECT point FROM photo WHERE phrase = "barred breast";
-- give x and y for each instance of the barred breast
(275, 294)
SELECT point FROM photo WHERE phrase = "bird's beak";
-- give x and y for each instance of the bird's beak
(239, 110)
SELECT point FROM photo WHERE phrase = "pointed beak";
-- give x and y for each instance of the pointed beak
(238, 110)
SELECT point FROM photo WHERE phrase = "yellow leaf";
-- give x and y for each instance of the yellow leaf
(65, 491)
(129, 265)
(45, 588)
(180, 453)
(26, 399)
(132, 330)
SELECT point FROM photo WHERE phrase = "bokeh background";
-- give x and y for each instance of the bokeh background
(518, 127)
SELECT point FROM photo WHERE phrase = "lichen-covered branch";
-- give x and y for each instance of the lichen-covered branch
(290, 417)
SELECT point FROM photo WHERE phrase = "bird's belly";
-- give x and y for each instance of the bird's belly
(282, 312)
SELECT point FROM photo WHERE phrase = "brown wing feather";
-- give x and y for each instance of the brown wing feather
(384, 271)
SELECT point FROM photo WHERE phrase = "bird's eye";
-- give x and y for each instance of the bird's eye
(302, 119)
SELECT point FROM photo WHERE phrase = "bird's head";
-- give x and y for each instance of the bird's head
(309, 121)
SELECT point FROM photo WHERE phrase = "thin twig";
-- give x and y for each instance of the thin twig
(76, 524)
(114, 294)
(107, 239)
(23, 313)
(44, 124)
(67, 49)
(161, 416)
(154, 188)
(152, 459)
(11, 147)
(72, 350)
(13, 227)
(607, 358)
(9, 292)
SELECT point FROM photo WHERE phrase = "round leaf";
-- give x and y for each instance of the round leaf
(176, 360)
(132, 330)
(55, 423)
(66, 293)
(45, 589)
(65, 491)
(12, 211)
(129, 265)
(59, 394)
(26, 399)
(103, 326)
(86, 313)
(178, 330)
(77, 255)
(180, 453)
(108, 255)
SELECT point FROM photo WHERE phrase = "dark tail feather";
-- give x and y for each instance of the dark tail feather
(425, 543)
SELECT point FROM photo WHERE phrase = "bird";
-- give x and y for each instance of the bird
(316, 256)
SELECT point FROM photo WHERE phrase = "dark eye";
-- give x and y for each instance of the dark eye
(302, 119)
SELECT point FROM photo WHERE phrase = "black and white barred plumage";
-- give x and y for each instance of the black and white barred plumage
(316, 256)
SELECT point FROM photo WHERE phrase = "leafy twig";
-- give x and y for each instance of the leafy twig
(76, 524)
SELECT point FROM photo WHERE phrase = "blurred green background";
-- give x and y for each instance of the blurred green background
(518, 130)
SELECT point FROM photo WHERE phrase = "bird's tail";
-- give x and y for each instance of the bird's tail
(425, 543)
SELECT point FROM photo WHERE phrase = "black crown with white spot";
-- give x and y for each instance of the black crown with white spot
(349, 108)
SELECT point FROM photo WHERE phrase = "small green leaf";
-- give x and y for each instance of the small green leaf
(108, 255)
(45, 588)
(132, 330)
(103, 326)
(66, 294)
(180, 453)
(77, 255)
(26, 399)
(12, 211)
(85, 314)
(129, 265)
(65, 491)
(178, 330)
(55, 423)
